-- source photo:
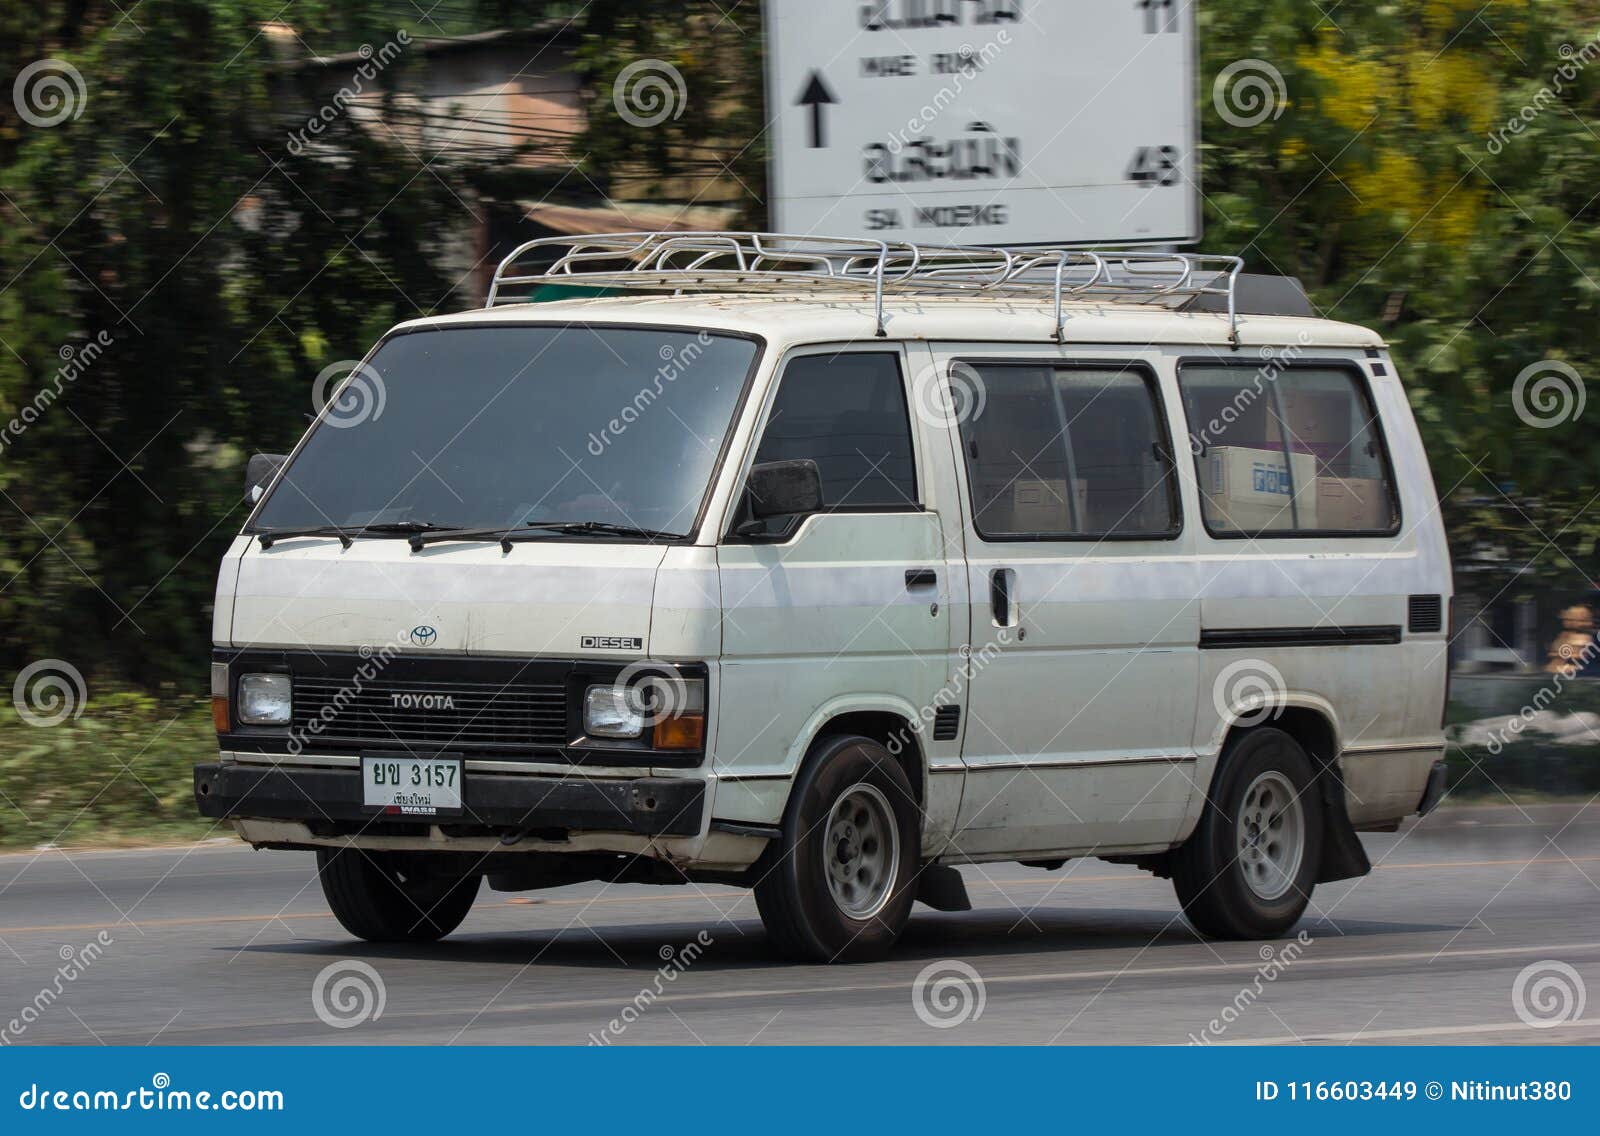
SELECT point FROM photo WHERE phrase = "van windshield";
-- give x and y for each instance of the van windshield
(499, 426)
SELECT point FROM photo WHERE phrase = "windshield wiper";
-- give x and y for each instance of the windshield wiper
(344, 534)
(539, 530)
(604, 528)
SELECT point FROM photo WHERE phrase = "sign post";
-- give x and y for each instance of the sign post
(984, 121)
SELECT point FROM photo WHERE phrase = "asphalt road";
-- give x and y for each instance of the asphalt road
(218, 944)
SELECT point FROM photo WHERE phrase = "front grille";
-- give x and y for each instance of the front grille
(464, 716)
(500, 709)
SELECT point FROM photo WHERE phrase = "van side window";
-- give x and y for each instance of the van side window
(1287, 450)
(846, 412)
(1067, 453)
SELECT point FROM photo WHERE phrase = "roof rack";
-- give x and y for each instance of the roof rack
(715, 262)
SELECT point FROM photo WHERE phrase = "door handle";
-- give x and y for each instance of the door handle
(921, 578)
(1001, 600)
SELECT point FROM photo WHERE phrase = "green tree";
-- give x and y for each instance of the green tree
(165, 216)
(1387, 177)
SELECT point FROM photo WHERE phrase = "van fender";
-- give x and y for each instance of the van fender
(873, 702)
(760, 796)
(1343, 855)
(1258, 711)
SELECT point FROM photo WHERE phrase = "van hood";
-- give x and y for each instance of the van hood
(562, 597)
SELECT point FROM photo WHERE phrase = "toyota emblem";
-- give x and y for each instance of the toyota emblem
(423, 635)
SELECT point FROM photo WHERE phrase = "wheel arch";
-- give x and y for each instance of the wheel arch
(1314, 725)
(885, 719)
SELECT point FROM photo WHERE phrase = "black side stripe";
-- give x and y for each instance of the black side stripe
(1225, 639)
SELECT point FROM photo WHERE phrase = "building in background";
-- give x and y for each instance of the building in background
(499, 118)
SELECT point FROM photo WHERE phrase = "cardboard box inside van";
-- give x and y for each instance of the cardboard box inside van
(1036, 505)
(1248, 489)
(1347, 504)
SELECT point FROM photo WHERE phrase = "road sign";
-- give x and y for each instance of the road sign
(984, 121)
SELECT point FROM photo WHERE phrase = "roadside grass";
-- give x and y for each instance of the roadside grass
(118, 774)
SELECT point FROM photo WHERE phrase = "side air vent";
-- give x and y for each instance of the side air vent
(946, 723)
(1425, 614)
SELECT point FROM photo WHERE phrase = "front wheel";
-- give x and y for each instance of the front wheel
(839, 884)
(1248, 869)
(387, 897)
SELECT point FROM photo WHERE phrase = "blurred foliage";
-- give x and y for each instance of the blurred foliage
(1392, 185)
(712, 150)
(122, 771)
(1530, 770)
(170, 215)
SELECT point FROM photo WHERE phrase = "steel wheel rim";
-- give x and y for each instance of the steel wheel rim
(1271, 836)
(862, 851)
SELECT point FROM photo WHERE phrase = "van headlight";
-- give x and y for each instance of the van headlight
(608, 712)
(264, 700)
(663, 707)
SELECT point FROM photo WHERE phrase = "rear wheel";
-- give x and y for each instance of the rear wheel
(839, 884)
(1248, 869)
(411, 897)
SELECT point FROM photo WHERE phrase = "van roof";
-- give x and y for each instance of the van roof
(791, 319)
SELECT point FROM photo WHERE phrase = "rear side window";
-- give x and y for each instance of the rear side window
(847, 413)
(1067, 453)
(1287, 451)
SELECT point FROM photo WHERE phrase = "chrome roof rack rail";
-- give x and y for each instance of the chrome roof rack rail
(716, 262)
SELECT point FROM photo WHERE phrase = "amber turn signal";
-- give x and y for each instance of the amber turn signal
(681, 731)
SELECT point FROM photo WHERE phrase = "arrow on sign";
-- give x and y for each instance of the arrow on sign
(816, 96)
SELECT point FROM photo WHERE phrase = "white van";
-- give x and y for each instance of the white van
(823, 567)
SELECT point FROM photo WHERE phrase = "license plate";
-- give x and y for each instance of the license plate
(412, 786)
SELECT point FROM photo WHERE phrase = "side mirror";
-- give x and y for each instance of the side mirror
(784, 488)
(259, 474)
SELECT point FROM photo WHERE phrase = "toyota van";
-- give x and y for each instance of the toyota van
(825, 567)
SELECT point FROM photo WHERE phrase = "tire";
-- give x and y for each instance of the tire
(1240, 875)
(395, 897)
(838, 885)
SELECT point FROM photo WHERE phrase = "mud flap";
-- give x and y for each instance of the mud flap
(942, 888)
(1343, 856)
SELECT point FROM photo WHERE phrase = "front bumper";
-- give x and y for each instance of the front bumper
(328, 801)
